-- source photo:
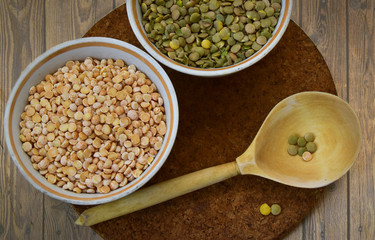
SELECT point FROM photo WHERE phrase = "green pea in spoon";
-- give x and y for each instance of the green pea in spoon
(338, 137)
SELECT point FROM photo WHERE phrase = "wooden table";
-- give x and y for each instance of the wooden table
(342, 30)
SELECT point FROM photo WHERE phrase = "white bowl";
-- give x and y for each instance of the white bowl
(135, 19)
(49, 62)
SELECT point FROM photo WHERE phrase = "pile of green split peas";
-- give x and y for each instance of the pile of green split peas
(209, 33)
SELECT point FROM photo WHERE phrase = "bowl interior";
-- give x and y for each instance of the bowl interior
(49, 62)
(135, 18)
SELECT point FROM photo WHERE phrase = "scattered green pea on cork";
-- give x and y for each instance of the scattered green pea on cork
(303, 146)
(265, 209)
(275, 209)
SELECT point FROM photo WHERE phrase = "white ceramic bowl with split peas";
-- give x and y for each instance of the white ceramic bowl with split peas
(48, 63)
(135, 18)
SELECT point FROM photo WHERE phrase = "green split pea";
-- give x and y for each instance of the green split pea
(227, 31)
(265, 209)
(299, 145)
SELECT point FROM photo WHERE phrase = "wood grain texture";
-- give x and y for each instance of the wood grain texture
(343, 31)
(361, 91)
(21, 41)
(329, 219)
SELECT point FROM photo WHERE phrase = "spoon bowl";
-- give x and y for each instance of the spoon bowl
(337, 136)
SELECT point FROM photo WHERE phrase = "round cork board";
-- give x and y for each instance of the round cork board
(219, 117)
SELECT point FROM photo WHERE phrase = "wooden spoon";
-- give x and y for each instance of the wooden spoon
(337, 136)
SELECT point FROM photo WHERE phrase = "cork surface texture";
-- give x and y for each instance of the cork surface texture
(219, 117)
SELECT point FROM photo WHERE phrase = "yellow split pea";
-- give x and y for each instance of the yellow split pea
(206, 44)
(265, 209)
(93, 126)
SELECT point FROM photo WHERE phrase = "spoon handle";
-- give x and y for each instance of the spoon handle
(158, 193)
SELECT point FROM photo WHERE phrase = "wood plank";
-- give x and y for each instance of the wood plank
(118, 3)
(21, 40)
(329, 219)
(67, 20)
(361, 74)
(296, 12)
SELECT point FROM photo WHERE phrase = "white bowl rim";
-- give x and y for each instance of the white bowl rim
(138, 30)
(121, 192)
